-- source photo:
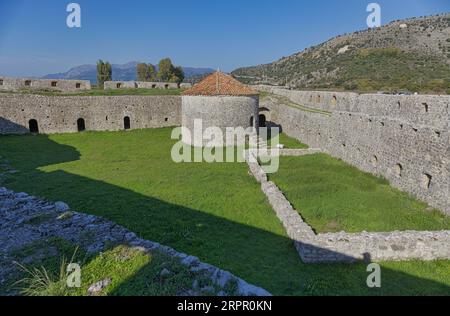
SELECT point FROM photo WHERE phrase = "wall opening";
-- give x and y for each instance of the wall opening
(437, 133)
(166, 86)
(166, 119)
(81, 125)
(126, 122)
(399, 105)
(426, 181)
(54, 83)
(27, 83)
(119, 85)
(252, 122)
(262, 120)
(374, 161)
(426, 107)
(78, 85)
(153, 86)
(334, 101)
(1, 82)
(398, 169)
(33, 126)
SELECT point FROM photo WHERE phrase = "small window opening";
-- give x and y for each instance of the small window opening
(398, 169)
(334, 101)
(426, 181)
(33, 126)
(374, 161)
(126, 122)
(81, 125)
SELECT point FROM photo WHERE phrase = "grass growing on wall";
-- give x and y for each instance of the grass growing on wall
(214, 211)
(287, 142)
(288, 102)
(333, 196)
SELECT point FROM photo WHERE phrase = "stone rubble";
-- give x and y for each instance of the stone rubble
(26, 219)
(97, 288)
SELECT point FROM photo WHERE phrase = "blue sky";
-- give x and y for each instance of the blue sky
(34, 38)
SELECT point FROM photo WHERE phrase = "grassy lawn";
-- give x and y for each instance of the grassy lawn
(101, 92)
(334, 196)
(288, 142)
(214, 211)
(286, 101)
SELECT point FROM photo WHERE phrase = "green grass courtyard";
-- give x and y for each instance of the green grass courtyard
(215, 211)
(333, 196)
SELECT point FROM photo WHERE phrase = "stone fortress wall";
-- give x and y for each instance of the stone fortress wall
(405, 139)
(67, 114)
(17, 84)
(13, 84)
(217, 111)
(115, 85)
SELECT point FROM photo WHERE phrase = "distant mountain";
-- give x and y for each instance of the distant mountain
(125, 72)
(412, 54)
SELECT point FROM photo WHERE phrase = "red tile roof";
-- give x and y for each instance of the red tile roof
(220, 84)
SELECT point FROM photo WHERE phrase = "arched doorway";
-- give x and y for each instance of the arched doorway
(262, 120)
(81, 125)
(126, 123)
(33, 126)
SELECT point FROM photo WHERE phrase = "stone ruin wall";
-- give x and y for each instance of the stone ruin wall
(404, 139)
(59, 114)
(116, 85)
(13, 84)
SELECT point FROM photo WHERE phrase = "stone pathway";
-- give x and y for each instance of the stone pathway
(25, 220)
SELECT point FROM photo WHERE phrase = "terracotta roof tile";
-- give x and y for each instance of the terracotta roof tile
(219, 83)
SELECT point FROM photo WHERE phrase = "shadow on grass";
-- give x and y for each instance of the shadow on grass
(258, 256)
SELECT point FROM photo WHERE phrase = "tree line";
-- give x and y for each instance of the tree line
(167, 72)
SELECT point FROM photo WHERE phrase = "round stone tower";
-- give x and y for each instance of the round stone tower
(217, 101)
